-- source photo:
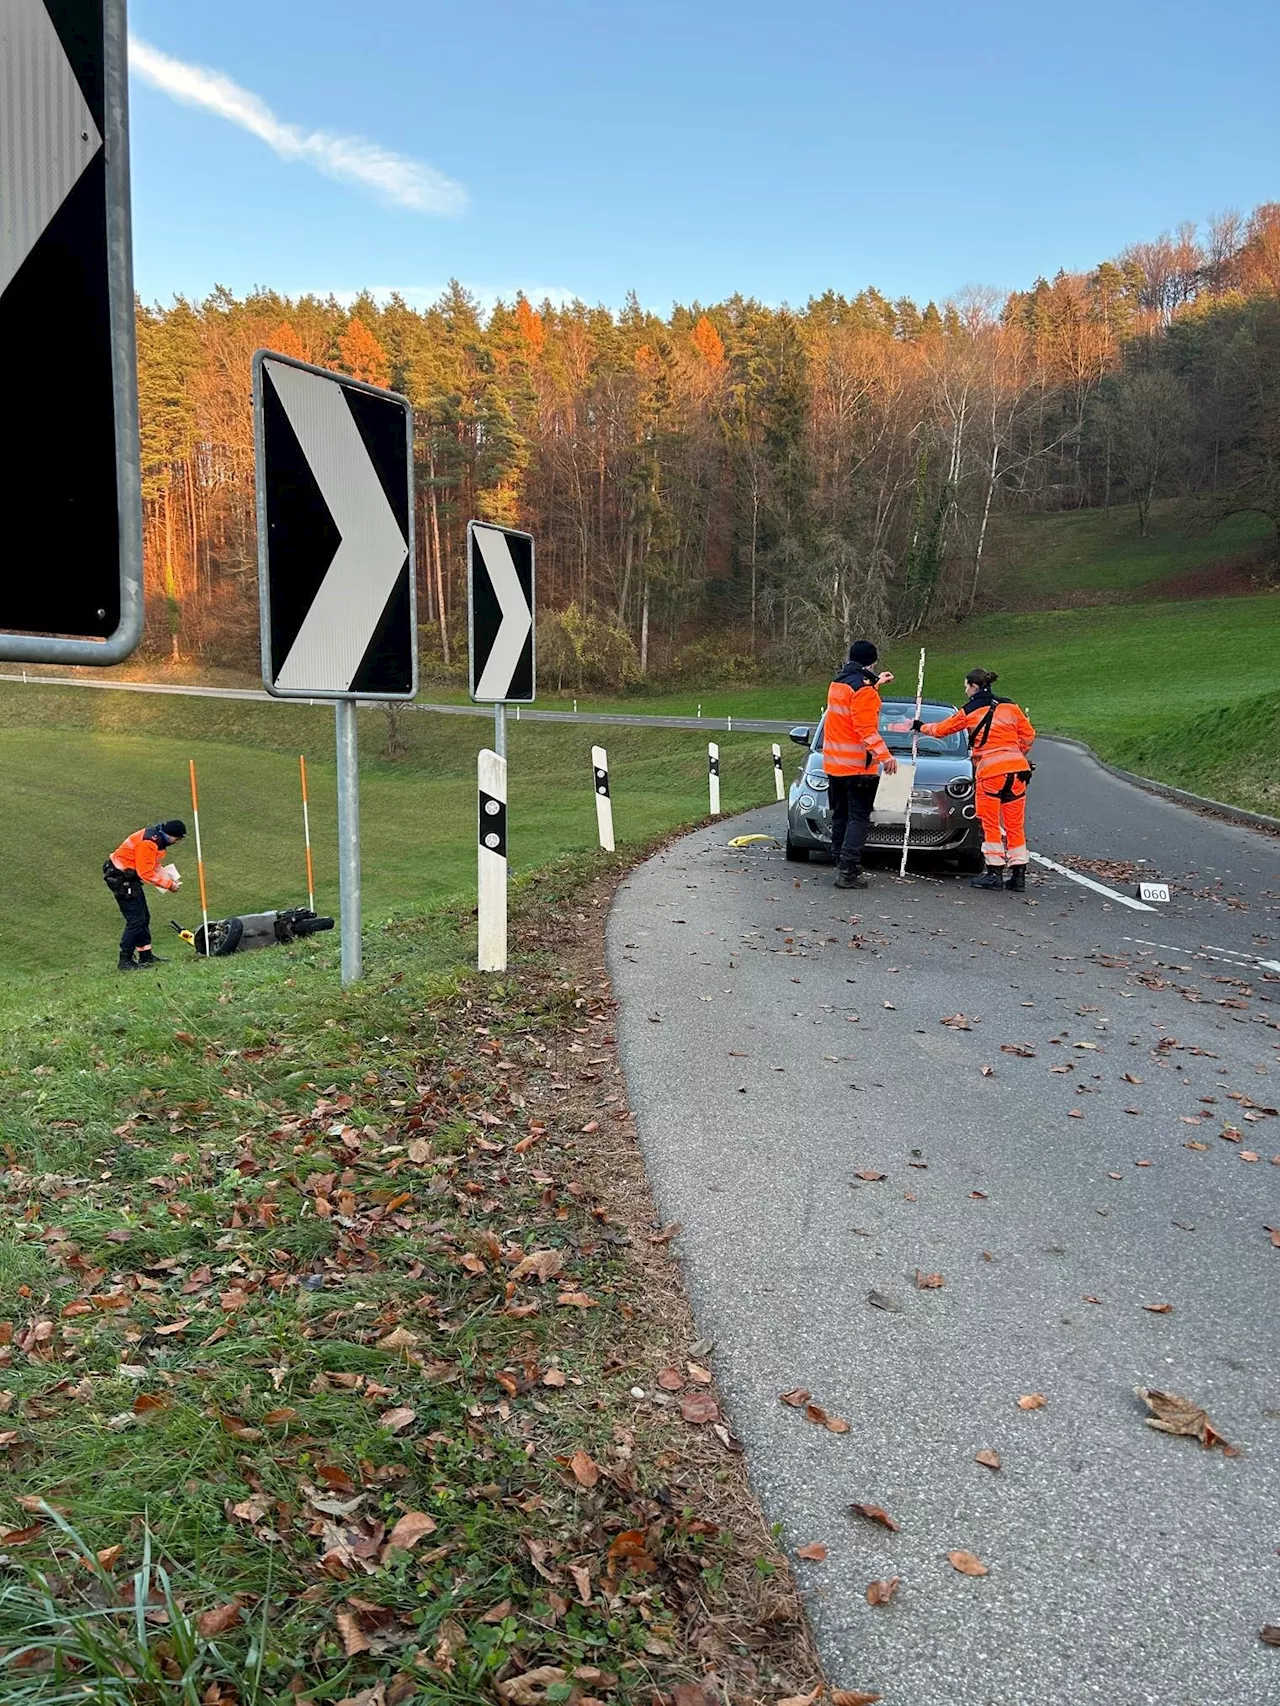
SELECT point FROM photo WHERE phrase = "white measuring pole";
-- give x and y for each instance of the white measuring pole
(195, 812)
(915, 743)
(491, 836)
(306, 832)
(777, 772)
(713, 777)
(604, 800)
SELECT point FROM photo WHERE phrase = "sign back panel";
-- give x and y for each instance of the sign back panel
(67, 328)
(500, 600)
(335, 534)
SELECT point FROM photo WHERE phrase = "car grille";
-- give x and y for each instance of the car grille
(890, 835)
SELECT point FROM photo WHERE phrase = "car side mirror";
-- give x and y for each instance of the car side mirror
(800, 735)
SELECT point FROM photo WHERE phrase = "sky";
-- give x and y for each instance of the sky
(684, 149)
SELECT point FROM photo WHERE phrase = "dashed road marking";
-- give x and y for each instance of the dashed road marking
(1088, 883)
(1229, 956)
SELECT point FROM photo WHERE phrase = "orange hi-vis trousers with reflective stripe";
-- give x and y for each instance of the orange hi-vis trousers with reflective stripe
(1002, 810)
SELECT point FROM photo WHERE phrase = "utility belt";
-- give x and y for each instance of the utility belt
(118, 881)
(1007, 790)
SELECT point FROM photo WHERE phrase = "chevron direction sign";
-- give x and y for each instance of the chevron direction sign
(69, 477)
(500, 601)
(335, 534)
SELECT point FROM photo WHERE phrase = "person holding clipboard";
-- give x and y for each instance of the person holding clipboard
(853, 755)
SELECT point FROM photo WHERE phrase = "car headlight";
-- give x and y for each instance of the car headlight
(923, 797)
(806, 802)
(816, 779)
(960, 787)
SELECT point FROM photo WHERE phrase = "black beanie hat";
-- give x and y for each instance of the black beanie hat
(175, 829)
(863, 652)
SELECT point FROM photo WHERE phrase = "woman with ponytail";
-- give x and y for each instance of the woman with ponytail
(1000, 738)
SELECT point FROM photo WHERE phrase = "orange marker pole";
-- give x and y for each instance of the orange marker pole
(195, 812)
(306, 831)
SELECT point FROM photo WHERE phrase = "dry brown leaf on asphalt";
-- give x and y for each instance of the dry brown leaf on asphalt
(854, 1697)
(880, 1593)
(1171, 1414)
(870, 1177)
(530, 1688)
(1275, 1235)
(957, 1021)
(1024, 1051)
(814, 1553)
(699, 1407)
(409, 1530)
(1270, 1633)
(928, 1282)
(966, 1563)
(354, 1639)
(1196, 1144)
(987, 1458)
(798, 1397)
(1158, 1308)
(586, 1471)
(874, 1513)
(1032, 1401)
(218, 1620)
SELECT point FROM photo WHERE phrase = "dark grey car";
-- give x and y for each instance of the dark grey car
(944, 820)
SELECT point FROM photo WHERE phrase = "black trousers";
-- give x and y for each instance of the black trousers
(851, 799)
(131, 898)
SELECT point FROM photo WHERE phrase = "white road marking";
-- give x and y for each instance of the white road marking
(1088, 883)
(1229, 956)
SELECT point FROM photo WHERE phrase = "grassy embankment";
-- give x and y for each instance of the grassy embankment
(80, 769)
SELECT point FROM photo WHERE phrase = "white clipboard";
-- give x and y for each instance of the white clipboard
(893, 795)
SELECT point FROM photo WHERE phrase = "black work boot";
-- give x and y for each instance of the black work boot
(848, 876)
(150, 959)
(126, 962)
(991, 878)
(1017, 879)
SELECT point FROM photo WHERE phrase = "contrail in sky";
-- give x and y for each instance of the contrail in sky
(350, 159)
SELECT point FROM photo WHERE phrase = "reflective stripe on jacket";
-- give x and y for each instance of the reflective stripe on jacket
(1004, 744)
(851, 743)
(139, 853)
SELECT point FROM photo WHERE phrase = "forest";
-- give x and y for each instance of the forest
(728, 492)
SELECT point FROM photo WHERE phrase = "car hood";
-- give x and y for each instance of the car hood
(931, 772)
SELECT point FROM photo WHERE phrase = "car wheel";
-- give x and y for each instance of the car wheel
(971, 862)
(797, 855)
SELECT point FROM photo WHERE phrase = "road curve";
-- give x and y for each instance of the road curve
(783, 1049)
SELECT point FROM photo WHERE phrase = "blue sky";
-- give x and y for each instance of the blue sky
(685, 148)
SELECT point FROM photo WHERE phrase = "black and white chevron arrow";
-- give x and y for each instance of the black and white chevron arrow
(500, 603)
(335, 534)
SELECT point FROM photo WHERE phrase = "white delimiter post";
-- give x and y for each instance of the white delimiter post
(604, 801)
(713, 776)
(777, 772)
(491, 835)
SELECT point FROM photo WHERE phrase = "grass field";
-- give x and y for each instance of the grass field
(80, 770)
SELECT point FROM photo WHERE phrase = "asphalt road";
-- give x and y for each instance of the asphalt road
(779, 1043)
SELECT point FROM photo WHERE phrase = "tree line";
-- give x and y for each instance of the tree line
(732, 488)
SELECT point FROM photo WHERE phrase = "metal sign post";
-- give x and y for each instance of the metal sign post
(67, 328)
(335, 565)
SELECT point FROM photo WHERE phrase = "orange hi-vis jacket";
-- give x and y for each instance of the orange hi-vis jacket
(851, 742)
(143, 856)
(998, 747)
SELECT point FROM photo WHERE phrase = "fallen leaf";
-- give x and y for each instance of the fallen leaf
(814, 1553)
(869, 1176)
(880, 1593)
(699, 1407)
(1248, 1155)
(496, 1613)
(670, 1380)
(409, 1530)
(577, 1300)
(1195, 1145)
(1075, 1113)
(398, 1339)
(668, 1233)
(1171, 1414)
(1158, 1308)
(1270, 1633)
(987, 1458)
(874, 1513)
(928, 1282)
(799, 1396)
(554, 1377)
(1024, 1051)
(1275, 1235)
(1032, 1401)
(1089, 1299)
(146, 1403)
(530, 1688)
(397, 1420)
(981, 1196)
(854, 1697)
(966, 1563)
(539, 1265)
(582, 1581)
(882, 1300)
(218, 1620)
(586, 1471)
(703, 1376)
(354, 1639)
(277, 1418)
(988, 1071)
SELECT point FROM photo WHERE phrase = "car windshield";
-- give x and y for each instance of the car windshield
(902, 710)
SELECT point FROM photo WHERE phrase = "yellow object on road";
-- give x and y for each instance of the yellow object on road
(746, 840)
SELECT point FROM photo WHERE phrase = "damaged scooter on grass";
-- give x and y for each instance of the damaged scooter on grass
(253, 930)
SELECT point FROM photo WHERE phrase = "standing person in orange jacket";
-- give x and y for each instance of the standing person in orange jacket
(140, 859)
(853, 754)
(1000, 738)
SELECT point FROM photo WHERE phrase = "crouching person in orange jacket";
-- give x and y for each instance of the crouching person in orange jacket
(853, 754)
(1000, 738)
(139, 860)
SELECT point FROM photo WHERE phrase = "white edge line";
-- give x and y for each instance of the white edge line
(1088, 883)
